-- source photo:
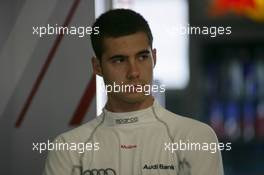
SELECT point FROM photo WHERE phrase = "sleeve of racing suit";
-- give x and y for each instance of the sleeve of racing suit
(58, 161)
(206, 160)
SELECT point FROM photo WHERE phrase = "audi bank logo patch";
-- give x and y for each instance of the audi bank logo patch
(108, 171)
(127, 120)
(159, 166)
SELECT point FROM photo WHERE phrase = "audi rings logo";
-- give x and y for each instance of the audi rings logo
(108, 171)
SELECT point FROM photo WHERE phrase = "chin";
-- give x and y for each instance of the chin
(133, 97)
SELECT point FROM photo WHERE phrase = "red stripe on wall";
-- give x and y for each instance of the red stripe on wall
(85, 102)
(45, 66)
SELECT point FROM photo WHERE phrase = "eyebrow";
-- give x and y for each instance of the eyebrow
(117, 56)
(145, 51)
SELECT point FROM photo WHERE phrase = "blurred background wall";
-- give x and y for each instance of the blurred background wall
(43, 80)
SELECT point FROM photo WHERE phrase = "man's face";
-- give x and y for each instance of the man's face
(127, 60)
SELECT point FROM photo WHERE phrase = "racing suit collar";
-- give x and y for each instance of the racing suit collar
(130, 118)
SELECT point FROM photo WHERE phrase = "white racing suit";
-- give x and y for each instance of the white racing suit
(144, 142)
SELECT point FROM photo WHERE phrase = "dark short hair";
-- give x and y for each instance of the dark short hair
(117, 23)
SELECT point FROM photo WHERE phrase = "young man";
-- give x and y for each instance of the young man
(134, 135)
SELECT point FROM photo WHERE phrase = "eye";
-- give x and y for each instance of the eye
(143, 57)
(118, 60)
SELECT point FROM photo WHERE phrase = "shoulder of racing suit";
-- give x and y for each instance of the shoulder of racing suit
(184, 127)
(189, 130)
(81, 133)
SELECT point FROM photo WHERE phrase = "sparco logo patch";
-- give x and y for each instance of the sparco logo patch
(127, 120)
(108, 171)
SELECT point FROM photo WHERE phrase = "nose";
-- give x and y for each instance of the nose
(133, 70)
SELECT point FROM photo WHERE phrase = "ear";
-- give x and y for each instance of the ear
(154, 56)
(97, 69)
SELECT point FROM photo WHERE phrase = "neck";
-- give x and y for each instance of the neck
(115, 105)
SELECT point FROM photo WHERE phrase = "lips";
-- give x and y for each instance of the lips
(133, 87)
